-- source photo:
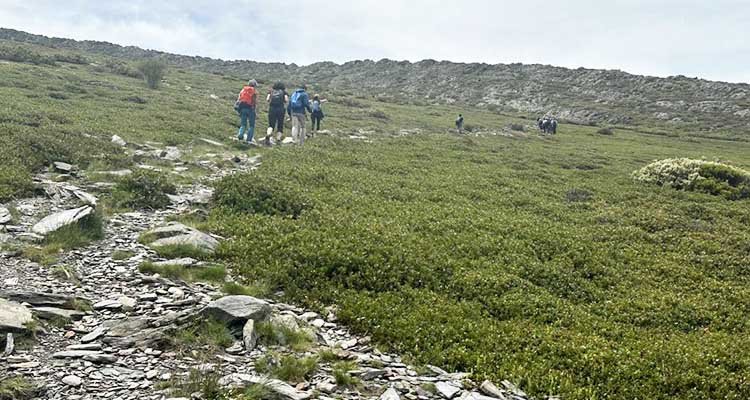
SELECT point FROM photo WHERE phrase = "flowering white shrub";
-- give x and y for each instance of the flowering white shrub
(698, 175)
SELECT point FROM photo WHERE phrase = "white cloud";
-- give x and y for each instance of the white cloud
(667, 37)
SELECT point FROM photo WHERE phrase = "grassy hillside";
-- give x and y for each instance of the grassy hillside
(513, 256)
(606, 97)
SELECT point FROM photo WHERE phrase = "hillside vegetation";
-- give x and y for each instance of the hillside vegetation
(502, 253)
(677, 104)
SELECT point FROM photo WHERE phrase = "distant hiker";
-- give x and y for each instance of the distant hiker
(317, 112)
(298, 104)
(553, 126)
(245, 105)
(277, 100)
(460, 124)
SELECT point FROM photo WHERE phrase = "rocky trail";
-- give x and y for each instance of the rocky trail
(103, 328)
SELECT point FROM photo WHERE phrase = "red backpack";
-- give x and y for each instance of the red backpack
(247, 95)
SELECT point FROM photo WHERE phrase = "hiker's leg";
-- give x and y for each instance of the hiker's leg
(295, 128)
(301, 132)
(243, 122)
(280, 122)
(251, 124)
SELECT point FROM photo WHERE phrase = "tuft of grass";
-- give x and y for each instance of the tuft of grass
(341, 373)
(288, 368)
(278, 335)
(207, 273)
(46, 255)
(429, 387)
(120, 255)
(204, 384)
(66, 273)
(17, 388)
(255, 289)
(327, 355)
(87, 230)
(205, 334)
(258, 392)
(181, 251)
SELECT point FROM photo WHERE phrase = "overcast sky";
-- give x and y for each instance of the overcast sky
(703, 38)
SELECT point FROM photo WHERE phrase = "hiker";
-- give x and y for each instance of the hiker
(317, 113)
(277, 100)
(298, 104)
(460, 124)
(245, 106)
(553, 126)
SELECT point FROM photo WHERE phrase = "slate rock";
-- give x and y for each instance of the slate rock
(52, 313)
(447, 390)
(5, 216)
(237, 309)
(119, 141)
(390, 394)
(61, 219)
(72, 381)
(39, 299)
(14, 317)
(249, 335)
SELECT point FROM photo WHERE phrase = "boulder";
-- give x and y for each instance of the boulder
(14, 317)
(177, 234)
(234, 310)
(61, 219)
(72, 381)
(5, 216)
(118, 141)
(62, 167)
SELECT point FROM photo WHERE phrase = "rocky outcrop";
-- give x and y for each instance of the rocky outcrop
(61, 219)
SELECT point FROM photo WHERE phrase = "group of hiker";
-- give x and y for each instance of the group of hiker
(280, 105)
(547, 124)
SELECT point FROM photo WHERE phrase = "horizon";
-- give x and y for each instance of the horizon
(674, 38)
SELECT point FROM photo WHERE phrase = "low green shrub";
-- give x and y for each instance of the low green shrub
(143, 189)
(606, 131)
(256, 194)
(698, 175)
(18, 388)
(153, 72)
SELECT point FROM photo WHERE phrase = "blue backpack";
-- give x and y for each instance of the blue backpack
(296, 100)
